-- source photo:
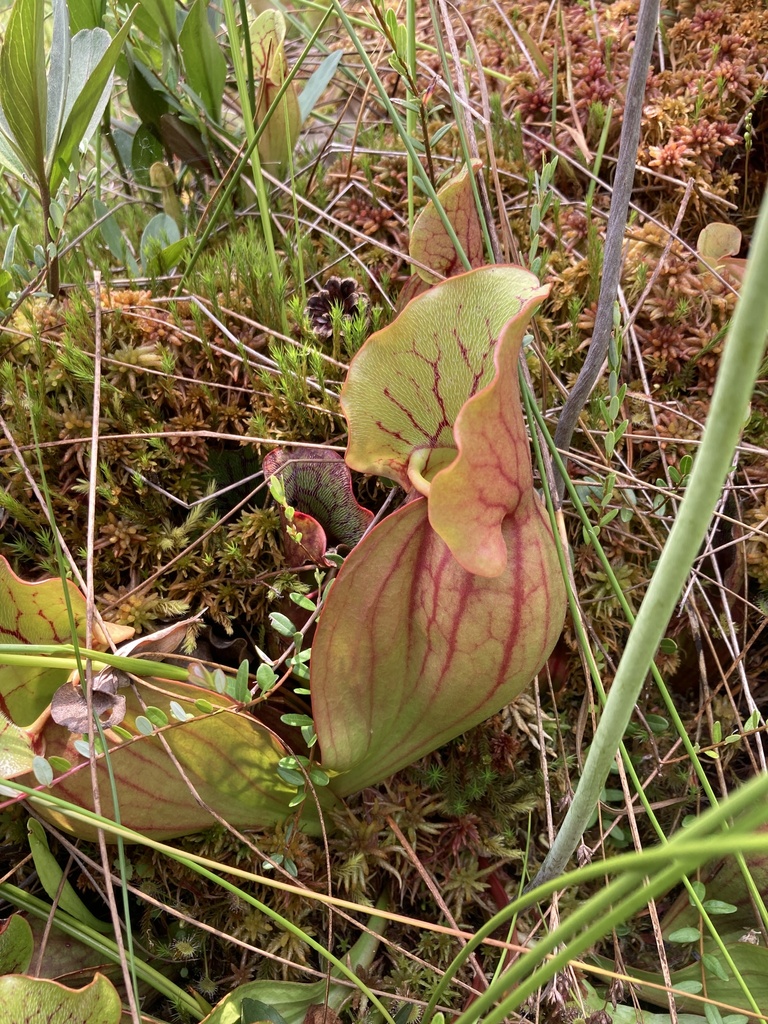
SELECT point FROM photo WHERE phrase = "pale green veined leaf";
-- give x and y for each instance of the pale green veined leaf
(23, 86)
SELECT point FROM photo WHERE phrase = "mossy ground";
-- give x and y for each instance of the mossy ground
(194, 390)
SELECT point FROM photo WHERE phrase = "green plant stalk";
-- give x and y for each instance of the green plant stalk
(242, 81)
(9, 655)
(598, 160)
(645, 36)
(594, 673)
(688, 849)
(106, 947)
(733, 389)
(749, 802)
(426, 184)
(251, 147)
(463, 123)
(410, 114)
(248, 54)
(204, 867)
(533, 413)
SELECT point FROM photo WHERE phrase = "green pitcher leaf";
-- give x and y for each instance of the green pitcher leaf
(204, 63)
(34, 613)
(430, 243)
(228, 757)
(412, 650)
(280, 135)
(317, 483)
(16, 945)
(490, 478)
(23, 85)
(31, 1000)
(448, 608)
(408, 383)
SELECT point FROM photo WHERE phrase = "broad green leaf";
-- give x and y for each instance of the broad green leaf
(280, 135)
(58, 75)
(86, 14)
(113, 236)
(159, 233)
(162, 14)
(90, 95)
(29, 1000)
(50, 874)
(148, 98)
(16, 945)
(430, 243)
(229, 758)
(23, 86)
(411, 650)
(204, 62)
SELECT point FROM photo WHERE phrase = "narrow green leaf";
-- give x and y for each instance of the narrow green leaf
(317, 83)
(204, 62)
(684, 935)
(50, 874)
(86, 14)
(266, 677)
(23, 86)
(179, 713)
(163, 14)
(59, 764)
(293, 719)
(10, 155)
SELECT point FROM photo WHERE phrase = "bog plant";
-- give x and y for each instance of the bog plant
(48, 117)
(440, 615)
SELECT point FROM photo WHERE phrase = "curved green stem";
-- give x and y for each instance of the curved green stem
(740, 365)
